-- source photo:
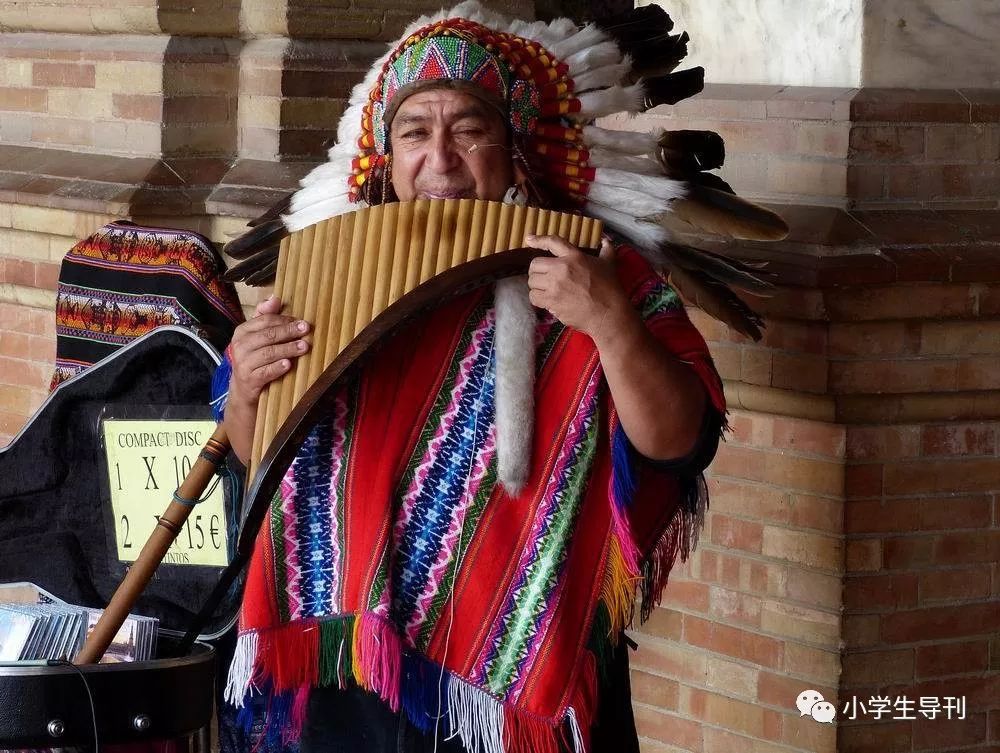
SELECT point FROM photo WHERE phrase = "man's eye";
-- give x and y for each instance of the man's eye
(416, 133)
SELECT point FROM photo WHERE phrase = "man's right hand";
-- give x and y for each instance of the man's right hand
(262, 350)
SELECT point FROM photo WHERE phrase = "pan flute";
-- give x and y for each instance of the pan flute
(342, 273)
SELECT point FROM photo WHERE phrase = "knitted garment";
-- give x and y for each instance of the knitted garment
(125, 280)
(392, 558)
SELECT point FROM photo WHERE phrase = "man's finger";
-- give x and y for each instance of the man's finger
(551, 243)
(271, 305)
(277, 326)
(264, 354)
(540, 265)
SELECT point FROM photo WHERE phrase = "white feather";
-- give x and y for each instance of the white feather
(646, 236)
(588, 36)
(626, 142)
(638, 204)
(608, 101)
(515, 382)
(657, 186)
(601, 157)
(606, 53)
(319, 211)
(608, 75)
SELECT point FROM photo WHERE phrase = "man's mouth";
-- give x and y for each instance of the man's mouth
(451, 193)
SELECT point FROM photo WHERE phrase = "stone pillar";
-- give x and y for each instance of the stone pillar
(854, 537)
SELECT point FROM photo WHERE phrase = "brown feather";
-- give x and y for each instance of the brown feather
(717, 301)
(749, 276)
(251, 267)
(726, 214)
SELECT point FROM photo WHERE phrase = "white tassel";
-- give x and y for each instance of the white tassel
(515, 382)
(657, 186)
(588, 36)
(601, 157)
(608, 75)
(608, 101)
(241, 669)
(475, 717)
(606, 53)
(575, 731)
(626, 142)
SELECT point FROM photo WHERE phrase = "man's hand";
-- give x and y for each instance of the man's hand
(660, 401)
(579, 290)
(261, 350)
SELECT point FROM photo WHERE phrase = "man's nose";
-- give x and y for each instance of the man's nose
(442, 156)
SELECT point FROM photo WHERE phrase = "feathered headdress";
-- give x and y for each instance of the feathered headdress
(552, 80)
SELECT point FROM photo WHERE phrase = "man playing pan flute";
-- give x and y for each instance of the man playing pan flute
(455, 551)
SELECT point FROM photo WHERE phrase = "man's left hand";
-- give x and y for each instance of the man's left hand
(581, 291)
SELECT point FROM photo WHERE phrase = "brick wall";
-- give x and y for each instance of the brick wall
(852, 542)
(864, 149)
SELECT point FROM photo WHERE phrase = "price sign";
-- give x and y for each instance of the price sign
(147, 460)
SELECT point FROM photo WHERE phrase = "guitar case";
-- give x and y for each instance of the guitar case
(57, 531)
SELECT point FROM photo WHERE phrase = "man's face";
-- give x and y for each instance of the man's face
(447, 144)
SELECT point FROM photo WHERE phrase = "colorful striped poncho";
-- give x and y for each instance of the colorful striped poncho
(391, 558)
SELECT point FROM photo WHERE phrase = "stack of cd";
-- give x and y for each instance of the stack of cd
(36, 626)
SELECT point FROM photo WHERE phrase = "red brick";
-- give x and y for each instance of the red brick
(863, 480)
(16, 345)
(924, 375)
(937, 513)
(883, 442)
(933, 734)
(886, 142)
(908, 552)
(667, 728)
(23, 373)
(860, 630)
(878, 737)
(877, 592)
(720, 739)
(941, 476)
(737, 534)
(664, 623)
(994, 726)
(63, 74)
(969, 546)
(46, 275)
(733, 606)
(935, 623)
(981, 692)
(952, 585)
(17, 99)
(144, 107)
(782, 690)
(807, 373)
(654, 690)
(881, 516)
(946, 659)
(864, 555)
(820, 513)
(19, 272)
(686, 593)
(757, 649)
(809, 436)
(900, 302)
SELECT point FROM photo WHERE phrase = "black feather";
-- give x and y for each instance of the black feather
(265, 276)
(657, 56)
(273, 213)
(749, 276)
(636, 23)
(710, 180)
(251, 266)
(671, 89)
(261, 237)
(684, 152)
